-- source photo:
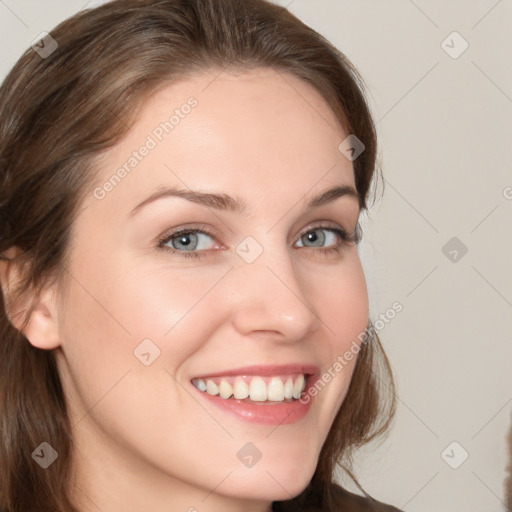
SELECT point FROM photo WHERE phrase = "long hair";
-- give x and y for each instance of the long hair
(508, 480)
(61, 108)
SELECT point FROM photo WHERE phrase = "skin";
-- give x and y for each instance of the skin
(143, 439)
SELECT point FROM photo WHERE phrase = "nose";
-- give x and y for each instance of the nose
(270, 296)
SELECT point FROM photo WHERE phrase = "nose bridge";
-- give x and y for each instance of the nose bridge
(270, 294)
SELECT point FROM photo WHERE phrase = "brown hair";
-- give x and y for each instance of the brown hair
(58, 113)
(508, 480)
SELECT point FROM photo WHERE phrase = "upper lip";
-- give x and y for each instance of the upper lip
(266, 370)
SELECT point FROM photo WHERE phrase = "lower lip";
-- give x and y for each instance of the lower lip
(268, 413)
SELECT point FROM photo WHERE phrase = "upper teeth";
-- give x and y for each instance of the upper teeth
(258, 389)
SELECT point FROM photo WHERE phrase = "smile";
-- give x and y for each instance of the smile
(257, 388)
(276, 395)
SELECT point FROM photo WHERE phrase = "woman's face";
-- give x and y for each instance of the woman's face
(265, 286)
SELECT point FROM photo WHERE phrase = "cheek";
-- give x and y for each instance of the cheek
(341, 300)
(177, 308)
(103, 324)
(124, 303)
(340, 297)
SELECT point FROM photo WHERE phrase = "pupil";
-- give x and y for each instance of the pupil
(313, 237)
(184, 241)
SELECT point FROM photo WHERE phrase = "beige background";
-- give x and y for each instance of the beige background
(445, 125)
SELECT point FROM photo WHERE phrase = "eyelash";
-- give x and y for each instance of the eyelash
(345, 237)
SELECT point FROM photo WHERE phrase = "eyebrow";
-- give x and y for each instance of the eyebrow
(235, 204)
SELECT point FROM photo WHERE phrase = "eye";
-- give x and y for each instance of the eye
(188, 242)
(198, 242)
(317, 237)
(192, 241)
(327, 239)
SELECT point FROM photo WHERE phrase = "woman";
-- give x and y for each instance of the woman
(185, 320)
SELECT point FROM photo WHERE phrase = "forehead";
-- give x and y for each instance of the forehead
(251, 132)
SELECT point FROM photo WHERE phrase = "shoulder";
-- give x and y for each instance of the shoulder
(355, 503)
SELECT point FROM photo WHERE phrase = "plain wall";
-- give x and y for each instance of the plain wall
(444, 125)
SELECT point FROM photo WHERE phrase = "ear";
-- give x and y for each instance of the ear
(42, 327)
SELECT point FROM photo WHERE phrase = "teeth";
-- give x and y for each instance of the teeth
(240, 389)
(276, 390)
(258, 389)
(211, 387)
(201, 385)
(225, 389)
(288, 388)
(299, 384)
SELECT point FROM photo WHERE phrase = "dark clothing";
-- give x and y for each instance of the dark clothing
(354, 503)
(341, 501)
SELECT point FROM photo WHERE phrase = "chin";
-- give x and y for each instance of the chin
(278, 482)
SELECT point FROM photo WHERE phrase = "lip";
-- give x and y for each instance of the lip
(268, 413)
(265, 370)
